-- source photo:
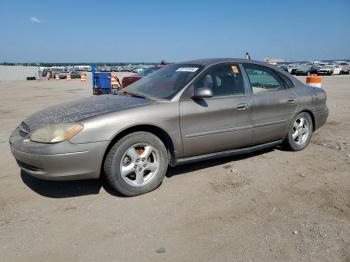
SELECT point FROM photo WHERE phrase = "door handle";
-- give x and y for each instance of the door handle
(242, 107)
(291, 100)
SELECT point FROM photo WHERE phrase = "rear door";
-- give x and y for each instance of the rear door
(273, 103)
(221, 122)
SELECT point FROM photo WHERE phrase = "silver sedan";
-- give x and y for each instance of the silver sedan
(185, 112)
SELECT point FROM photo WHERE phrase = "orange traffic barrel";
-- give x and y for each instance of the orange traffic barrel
(313, 80)
(48, 75)
(69, 77)
(114, 81)
(57, 77)
(83, 77)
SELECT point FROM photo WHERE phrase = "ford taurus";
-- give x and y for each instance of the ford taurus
(185, 112)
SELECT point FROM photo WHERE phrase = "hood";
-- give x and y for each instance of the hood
(78, 110)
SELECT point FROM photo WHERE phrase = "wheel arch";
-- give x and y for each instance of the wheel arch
(155, 130)
(312, 117)
(297, 113)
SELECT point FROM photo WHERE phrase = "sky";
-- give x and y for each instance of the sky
(177, 30)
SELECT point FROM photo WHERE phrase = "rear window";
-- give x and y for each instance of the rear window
(287, 82)
(263, 79)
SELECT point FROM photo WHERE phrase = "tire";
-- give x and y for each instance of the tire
(136, 164)
(299, 134)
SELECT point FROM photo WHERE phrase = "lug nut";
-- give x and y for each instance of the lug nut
(144, 165)
(135, 166)
(143, 159)
(140, 169)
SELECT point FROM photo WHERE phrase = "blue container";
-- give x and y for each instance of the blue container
(102, 83)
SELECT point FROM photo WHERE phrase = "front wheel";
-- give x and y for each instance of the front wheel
(136, 164)
(300, 132)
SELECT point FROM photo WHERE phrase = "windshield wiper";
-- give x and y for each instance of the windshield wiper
(124, 92)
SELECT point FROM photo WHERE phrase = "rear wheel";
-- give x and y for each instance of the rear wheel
(300, 132)
(136, 164)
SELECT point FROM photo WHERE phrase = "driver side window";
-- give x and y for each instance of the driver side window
(224, 80)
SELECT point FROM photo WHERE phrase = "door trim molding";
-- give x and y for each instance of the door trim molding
(271, 123)
(220, 131)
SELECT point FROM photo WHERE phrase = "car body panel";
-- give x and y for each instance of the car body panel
(76, 111)
(162, 115)
(60, 161)
(214, 124)
(271, 113)
(83, 163)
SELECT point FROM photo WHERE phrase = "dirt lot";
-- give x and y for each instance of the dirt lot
(268, 206)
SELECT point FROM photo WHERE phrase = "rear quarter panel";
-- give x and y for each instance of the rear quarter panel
(313, 100)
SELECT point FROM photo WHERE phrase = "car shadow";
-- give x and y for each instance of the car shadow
(186, 168)
(61, 189)
(66, 189)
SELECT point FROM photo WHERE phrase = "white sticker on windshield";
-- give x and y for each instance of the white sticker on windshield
(187, 69)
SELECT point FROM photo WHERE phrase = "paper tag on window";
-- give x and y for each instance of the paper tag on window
(235, 69)
(187, 69)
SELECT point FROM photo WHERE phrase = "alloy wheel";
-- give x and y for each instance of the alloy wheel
(301, 131)
(139, 164)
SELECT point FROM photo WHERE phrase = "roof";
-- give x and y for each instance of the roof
(212, 61)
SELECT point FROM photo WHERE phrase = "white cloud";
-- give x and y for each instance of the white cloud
(35, 20)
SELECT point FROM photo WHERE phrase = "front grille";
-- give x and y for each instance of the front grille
(24, 129)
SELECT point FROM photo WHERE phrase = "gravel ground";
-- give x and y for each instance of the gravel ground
(272, 205)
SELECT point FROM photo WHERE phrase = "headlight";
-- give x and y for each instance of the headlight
(56, 133)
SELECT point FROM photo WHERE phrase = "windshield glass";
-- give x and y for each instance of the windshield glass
(165, 83)
(147, 71)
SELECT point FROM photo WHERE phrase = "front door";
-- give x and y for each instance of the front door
(219, 123)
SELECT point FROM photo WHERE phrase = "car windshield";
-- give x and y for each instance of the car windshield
(165, 83)
(147, 71)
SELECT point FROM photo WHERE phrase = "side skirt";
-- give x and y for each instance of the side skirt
(240, 151)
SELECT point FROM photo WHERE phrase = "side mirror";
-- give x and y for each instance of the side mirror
(202, 92)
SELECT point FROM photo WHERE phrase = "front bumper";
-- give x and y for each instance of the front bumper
(61, 161)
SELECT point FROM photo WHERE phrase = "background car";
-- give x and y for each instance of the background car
(53, 72)
(345, 68)
(73, 74)
(140, 74)
(292, 68)
(329, 69)
(283, 67)
(336, 69)
(306, 69)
